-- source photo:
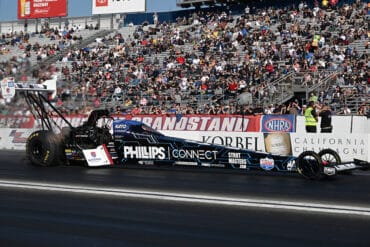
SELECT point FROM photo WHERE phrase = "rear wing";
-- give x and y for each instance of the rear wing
(37, 98)
(9, 87)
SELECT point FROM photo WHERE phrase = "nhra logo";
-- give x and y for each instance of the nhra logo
(101, 3)
(277, 124)
(93, 154)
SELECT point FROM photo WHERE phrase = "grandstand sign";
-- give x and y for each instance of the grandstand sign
(32, 9)
(117, 6)
(278, 123)
(235, 123)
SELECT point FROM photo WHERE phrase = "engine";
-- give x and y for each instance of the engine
(88, 136)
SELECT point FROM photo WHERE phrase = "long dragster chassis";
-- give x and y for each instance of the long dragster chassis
(104, 141)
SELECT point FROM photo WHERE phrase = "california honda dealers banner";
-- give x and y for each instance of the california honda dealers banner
(278, 123)
(28, 9)
(117, 6)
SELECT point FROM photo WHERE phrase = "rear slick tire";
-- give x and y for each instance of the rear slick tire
(309, 165)
(42, 149)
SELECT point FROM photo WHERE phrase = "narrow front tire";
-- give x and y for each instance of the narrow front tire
(309, 165)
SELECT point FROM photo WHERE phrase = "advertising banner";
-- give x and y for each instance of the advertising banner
(16, 122)
(179, 122)
(31, 9)
(117, 6)
(228, 123)
(14, 138)
(278, 123)
(348, 146)
(278, 143)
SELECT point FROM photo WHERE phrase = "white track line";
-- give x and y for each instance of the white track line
(192, 198)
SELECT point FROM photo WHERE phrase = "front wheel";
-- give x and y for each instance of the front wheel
(42, 148)
(309, 165)
(329, 156)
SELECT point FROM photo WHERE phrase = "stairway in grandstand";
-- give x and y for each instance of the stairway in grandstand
(85, 42)
(88, 37)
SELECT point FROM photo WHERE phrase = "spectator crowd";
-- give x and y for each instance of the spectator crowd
(211, 62)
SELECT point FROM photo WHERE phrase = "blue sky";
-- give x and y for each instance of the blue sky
(8, 8)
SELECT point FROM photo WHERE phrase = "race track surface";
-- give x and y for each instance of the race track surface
(74, 205)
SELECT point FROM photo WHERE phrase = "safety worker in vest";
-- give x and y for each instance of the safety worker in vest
(311, 118)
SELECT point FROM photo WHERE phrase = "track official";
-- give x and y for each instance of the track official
(311, 118)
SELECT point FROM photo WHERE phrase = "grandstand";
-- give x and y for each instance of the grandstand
(206, 61)
(199, 3)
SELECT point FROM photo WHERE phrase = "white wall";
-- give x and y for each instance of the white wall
(341, 124)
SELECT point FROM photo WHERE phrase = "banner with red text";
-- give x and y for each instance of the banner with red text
(229, 123)
(232, 123)
(17, 122)
(31, 9)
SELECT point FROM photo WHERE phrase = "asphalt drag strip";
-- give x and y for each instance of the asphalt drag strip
(189, 198)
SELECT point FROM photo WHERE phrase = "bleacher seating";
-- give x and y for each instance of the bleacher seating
(214, 58)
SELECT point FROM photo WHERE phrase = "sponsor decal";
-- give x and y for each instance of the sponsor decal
(278, 123)
(267, 164)
(154, 152)
(236, 159)
(193, 154)
(330, 171)
(119, 127)
(47, 155)
(291, 165)
(94, 159)
(344, 167)
(246, 142)
(98, 156)
(144, 152)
